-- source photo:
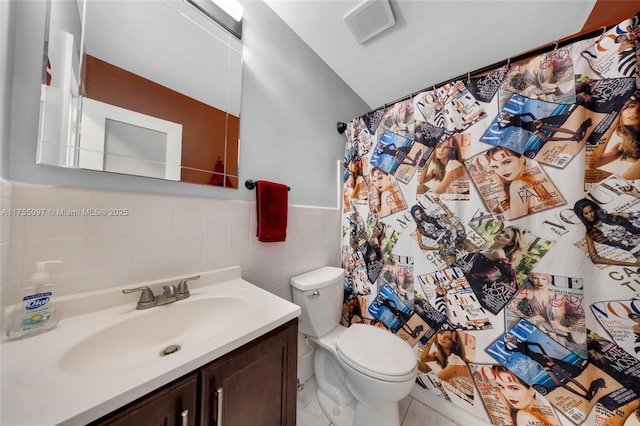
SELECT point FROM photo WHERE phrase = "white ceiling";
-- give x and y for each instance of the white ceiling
(432, 40)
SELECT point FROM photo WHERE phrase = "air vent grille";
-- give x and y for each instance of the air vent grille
(369, 19)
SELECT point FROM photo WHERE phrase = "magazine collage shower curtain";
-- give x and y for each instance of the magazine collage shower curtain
(493, 223)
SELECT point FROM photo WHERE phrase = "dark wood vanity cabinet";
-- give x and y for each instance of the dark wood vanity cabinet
(255, 385)
(252, 385)
(173, 405)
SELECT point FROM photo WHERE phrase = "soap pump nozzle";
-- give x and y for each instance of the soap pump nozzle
(41, 276)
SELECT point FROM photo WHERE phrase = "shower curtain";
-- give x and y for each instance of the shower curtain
(493, 223)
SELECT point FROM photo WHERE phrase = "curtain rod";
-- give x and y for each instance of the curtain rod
(553, 46)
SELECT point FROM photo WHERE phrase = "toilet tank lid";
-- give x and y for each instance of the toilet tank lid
(318, 278)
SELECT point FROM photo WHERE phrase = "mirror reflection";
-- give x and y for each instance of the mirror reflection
(149, 88)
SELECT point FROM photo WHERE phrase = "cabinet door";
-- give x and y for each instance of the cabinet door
(255, 385)
(169, 406)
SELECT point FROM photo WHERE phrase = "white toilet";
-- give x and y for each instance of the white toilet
(362, 371)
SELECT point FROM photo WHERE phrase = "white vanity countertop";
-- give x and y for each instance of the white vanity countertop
(38, 389)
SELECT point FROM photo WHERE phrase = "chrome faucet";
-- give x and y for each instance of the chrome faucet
(169, 294)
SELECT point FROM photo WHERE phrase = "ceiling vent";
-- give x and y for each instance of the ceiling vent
(369, 19)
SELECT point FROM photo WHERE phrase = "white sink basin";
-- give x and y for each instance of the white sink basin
(104, 353)
(145, 337)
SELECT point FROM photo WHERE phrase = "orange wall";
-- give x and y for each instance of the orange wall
(610, 12)
(203, 126)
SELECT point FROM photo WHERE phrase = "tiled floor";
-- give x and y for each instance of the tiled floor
(413, 412)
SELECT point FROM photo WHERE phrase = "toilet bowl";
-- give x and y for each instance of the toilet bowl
(362, 371)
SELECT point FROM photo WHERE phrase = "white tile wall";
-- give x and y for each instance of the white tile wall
(6, 193)
(161, 236)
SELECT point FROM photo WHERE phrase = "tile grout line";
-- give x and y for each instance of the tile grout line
(406, 411)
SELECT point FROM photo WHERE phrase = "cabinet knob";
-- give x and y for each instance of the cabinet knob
(185, 418)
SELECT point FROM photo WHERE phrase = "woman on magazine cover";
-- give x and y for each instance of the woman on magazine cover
(545, 78)
(496, 263)
(618, 230)
(550, 124)
(352, 309)
(433, 235)
(398, 313)
(399, 278)
(355, 180)
(522, 191)
(540, 310)
(522, 401)
(449, 355)
(628, 149)
(373, 256)
(398, 118)
(399, 153)
(443, 168)
(561, 372)
(355, 273)
(385, 197)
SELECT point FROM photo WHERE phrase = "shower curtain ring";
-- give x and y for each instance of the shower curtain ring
(555, 47)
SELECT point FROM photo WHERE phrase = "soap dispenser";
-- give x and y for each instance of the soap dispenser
(37, 312)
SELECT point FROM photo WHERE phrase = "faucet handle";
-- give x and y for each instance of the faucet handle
(147, 299)
(183, 290)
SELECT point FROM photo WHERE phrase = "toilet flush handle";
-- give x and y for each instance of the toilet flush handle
(313, 295)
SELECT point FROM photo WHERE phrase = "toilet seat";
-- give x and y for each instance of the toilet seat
(376, 353)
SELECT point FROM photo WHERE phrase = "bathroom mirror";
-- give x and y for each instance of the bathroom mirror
(141, 87)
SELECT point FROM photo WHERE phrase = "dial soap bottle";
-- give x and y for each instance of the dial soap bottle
(36, 312)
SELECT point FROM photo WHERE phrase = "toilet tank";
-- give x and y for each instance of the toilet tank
(319, 294)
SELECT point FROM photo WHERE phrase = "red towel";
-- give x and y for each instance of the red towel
(217, 177)
(218, 174)
(271, 209)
